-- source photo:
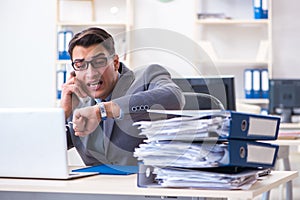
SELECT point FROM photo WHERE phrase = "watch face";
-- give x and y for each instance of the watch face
(102, 111)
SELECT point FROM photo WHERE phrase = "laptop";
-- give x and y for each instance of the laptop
(33, 144)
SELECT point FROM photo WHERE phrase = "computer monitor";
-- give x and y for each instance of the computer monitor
(284, 98)
(222, 88)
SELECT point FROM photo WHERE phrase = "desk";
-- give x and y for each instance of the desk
(289, 126)
(116, 186)
(283, 153)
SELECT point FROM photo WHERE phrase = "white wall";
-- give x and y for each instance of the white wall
(286, 39)
(27, 38)
(177, 19)
(179, 15)
(28, 43)
(176, 15)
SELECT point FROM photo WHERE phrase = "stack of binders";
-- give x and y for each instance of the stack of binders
(213, 149)
(63, 39)
(256, 83)
(260, 9)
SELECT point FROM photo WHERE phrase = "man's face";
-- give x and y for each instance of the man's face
(98, 80)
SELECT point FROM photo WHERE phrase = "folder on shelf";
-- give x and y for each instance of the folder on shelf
(264, 9)
(248, 83)
(260, 9)
(61, 74)
(206, 124)
(256, 80)
(256, 83)
(63, 40)
(257, 6)
(207, 154)
(264, 74)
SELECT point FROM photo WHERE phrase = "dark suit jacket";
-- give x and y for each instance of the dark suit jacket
(135, 92)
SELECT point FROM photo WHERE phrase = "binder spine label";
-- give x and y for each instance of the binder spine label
(262, 127)
(260, 154)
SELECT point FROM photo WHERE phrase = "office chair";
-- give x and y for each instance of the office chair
(201, 101)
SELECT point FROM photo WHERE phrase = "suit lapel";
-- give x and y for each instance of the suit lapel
(125, 80)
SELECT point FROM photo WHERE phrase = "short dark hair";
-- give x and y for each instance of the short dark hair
(91, 36)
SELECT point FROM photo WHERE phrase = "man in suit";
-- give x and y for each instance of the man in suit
(102, 98)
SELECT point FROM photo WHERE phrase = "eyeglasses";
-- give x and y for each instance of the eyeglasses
(97, 62)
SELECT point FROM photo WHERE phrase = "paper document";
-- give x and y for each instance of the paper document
(211, 123)
(216, 178)
(181, 154)
(184, 128)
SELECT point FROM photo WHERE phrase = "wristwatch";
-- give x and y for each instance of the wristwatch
(102, 111)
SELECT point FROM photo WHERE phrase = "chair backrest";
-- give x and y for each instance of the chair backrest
(201, 101)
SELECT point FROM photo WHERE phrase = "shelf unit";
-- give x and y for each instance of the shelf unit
(231, 21)
(115, 16)
(254, 101)
(236, 41)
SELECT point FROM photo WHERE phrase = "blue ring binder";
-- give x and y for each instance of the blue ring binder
(63, 40)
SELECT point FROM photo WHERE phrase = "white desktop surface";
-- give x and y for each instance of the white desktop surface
(286, 127)
(127, 186)
(290, 126)
(285, 142)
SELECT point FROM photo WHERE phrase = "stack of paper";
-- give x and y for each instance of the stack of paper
(179, 149)
(182, 154)
(213, 179)
(219, 124)
(184, 128)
